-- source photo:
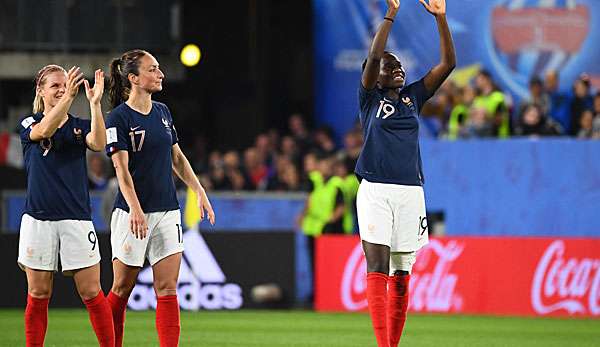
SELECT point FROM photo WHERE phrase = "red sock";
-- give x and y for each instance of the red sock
(376, 296)
(167, 320)
(36, 321)
(101, 318)
(117, 306)
(396, 306)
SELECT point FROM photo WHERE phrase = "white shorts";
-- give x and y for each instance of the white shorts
(165, 237)
(41, 242)
(392, 215)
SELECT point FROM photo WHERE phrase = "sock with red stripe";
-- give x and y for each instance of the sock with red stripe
(118, 306)
(377, 297)
(102, 320)
(167, 320)
(397, 305)
(36, 321)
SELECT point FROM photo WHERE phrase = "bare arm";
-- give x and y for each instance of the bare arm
(137, 220)
(434, 78)
(371, 71)
(96, 139)
(183, 170)
(51, 120)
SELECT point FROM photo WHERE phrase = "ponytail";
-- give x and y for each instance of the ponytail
(120, 68)
(115, 89)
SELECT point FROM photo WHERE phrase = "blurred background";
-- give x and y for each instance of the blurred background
(509, 145)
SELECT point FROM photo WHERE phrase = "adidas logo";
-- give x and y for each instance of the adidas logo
(202, 283)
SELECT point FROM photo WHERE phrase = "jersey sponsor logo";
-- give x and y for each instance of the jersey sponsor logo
(111, 135)
(27, 122)
(563, 283)
(202, 283)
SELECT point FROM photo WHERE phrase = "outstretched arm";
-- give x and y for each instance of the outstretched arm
(96, 139)
(371, 71)
(439, 73)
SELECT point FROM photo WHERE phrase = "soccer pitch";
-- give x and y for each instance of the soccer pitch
(307, 328)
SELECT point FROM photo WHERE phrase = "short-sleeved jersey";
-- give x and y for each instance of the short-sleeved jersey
(390, 152)
(149, 140)
(57, 183)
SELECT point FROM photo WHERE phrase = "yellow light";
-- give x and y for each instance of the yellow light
(190, 55)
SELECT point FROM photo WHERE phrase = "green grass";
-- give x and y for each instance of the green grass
(306, 328)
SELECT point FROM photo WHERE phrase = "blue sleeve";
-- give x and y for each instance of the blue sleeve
(116, 134)
(365, 96)
(420, 93)
(27, 123)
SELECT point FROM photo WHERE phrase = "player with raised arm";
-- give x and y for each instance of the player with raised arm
(57, 220)
(390, 201)
(146, 221)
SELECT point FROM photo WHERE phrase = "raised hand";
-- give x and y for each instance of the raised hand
(393, 6)
(435, 7)
(74, 80)
(94, 95)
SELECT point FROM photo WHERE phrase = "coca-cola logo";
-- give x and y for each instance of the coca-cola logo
(562, 283)
(432, 284)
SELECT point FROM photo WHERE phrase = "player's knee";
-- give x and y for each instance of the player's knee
(88, 291)
(378, 265)
(40, 291)
(402, 262)
(122, 288)
(165, 287)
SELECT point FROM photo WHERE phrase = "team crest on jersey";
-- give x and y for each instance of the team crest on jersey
(406, 100)
(166, 124)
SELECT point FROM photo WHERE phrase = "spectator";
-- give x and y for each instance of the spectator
(255, 168)
(323, 140)
(534, 123)
(286, 176)
(582, 100)
(586, 124)
(352, 146)
(97, 177)
(324, 208)
(478, 124)
(299, 132)
(537, 96)
(495, 103)
(233, 172)
(349, 189)
(460, 113)
(559, 101)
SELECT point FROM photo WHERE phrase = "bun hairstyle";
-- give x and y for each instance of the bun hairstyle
(120, 68)
(40, 80)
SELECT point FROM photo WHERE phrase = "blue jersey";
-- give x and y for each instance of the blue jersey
(149, 140)
(57, 184)
(390, 152)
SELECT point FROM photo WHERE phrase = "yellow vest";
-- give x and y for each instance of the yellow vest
(321, 203)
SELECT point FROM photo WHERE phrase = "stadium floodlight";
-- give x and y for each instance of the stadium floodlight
(190, 55)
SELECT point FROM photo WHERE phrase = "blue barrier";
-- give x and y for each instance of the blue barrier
(522, 187)
(234, 211)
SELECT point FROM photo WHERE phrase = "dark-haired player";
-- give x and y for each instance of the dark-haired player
(146, 221)
(390, 201)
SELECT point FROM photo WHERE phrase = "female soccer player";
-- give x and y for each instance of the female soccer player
(57, 217)
(390, 201)
(146, 222)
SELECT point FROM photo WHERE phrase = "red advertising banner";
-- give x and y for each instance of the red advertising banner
(504, 276)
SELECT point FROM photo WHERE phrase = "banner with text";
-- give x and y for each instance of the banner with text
(474, 275)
